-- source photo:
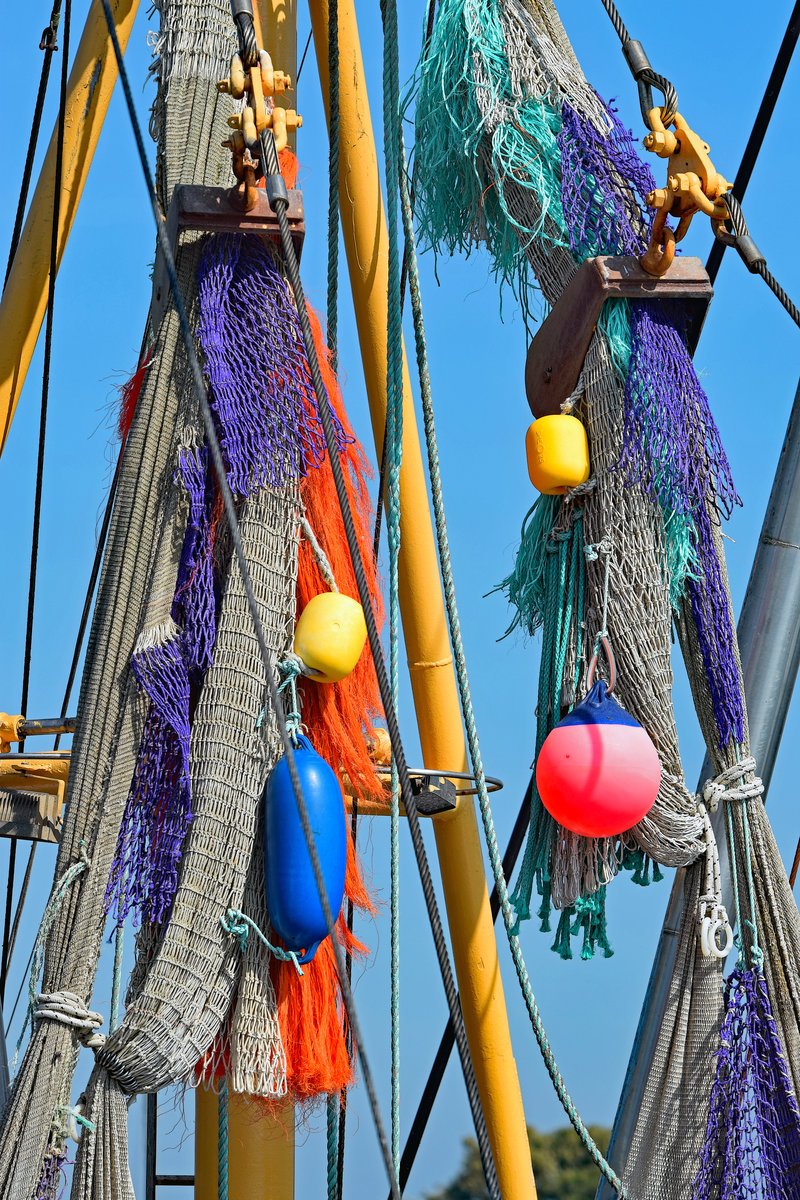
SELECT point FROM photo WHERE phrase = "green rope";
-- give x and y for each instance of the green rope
(116, 982)
(393, 451)
(333, 1147)
(222, 1142)
(509, 916)
(333, 181)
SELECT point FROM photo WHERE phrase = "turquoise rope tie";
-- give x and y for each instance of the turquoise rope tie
(239, 925)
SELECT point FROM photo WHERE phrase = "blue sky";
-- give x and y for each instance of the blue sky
(748, 362)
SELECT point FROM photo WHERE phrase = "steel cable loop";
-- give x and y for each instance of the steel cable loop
(277, 197)
(646, 78)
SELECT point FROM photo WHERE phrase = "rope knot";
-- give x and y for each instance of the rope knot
(580, 489)
(593, 550)
(722, 785)
(66, 1008)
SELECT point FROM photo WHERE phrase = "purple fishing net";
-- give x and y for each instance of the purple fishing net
(603, 186)
(157, 813)
(194, 607)
(671, 445)
(261, 390)
(752, 1147)
(53, 1179)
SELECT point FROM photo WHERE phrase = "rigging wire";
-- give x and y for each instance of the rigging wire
(37, 503)
(760, 126)
(49, 45)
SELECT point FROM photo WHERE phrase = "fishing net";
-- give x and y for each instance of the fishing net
(507, 127)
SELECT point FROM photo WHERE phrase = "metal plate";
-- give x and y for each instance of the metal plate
(213, 210)
(558, 351)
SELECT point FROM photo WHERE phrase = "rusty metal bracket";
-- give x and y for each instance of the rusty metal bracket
(213, 210)
(557, 352)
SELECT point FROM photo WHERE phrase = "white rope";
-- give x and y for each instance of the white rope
(66, 1008)
(326, 570)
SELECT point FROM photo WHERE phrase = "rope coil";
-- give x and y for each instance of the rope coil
(67, 1008)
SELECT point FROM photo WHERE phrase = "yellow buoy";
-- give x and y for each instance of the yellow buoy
(330, 636)
(558, 453)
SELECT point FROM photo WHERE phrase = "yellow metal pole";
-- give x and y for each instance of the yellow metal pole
(260, 1139)
(276, 29)
(424, 621)
(22, 309)
(260, 1148)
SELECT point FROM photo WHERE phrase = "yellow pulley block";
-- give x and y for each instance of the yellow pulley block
(558, 453)
(330, 636)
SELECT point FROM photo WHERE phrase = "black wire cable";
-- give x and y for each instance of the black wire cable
(233, 524)
(303, 59)
(760, 126)
(436, 1073)
(48, 44)
(37, 502)
(752, 257)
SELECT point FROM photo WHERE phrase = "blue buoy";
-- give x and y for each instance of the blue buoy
(293, 902)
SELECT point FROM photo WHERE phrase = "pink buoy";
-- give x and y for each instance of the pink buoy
(598, 772)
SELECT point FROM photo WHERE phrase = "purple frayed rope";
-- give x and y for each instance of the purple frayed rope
(671, 444)
(752, 1146)
(261, 391)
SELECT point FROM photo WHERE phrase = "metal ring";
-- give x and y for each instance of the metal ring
(492, 784)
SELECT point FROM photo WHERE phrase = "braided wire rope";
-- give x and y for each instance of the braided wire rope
(509, 915)
(393, 452)
(278, 199)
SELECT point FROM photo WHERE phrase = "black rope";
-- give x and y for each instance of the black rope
(436, 1073)
(274, 179)
(37, 502)
(646, 78)
(48, 44)
(760, 126)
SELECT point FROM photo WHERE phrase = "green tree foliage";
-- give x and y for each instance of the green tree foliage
(561, 1166)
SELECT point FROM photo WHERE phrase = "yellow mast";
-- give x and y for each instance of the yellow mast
(22, 309)
(424, 621)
